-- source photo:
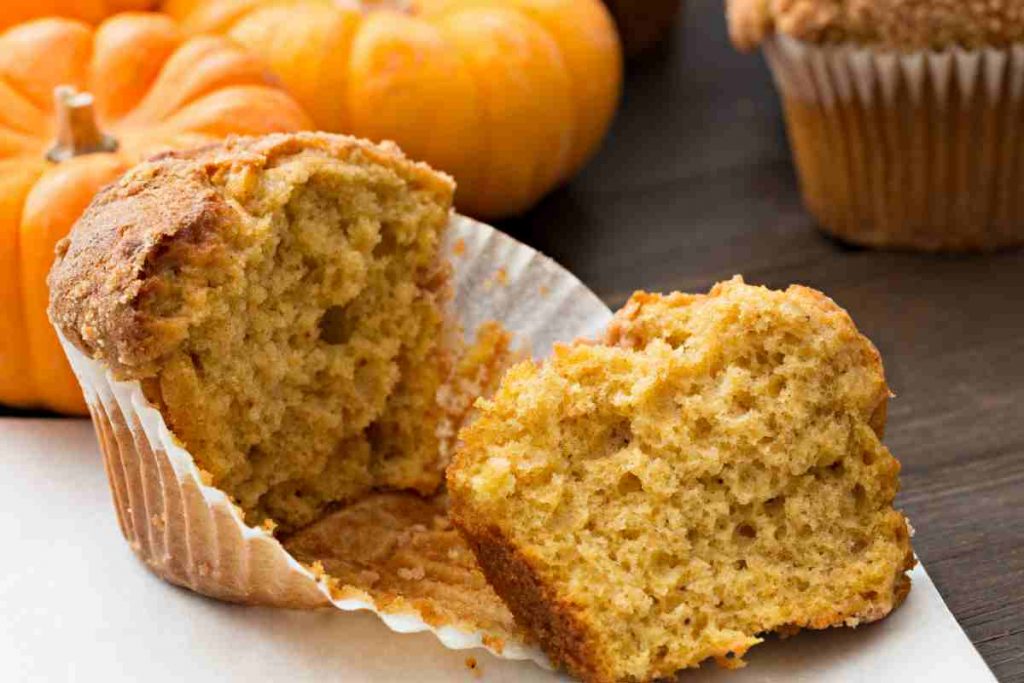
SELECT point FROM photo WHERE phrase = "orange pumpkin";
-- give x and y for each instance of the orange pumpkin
(93, 11)
(509, 96)
(132, 87)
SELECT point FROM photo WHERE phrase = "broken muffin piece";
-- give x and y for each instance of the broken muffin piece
(281, 301)
(711, 472)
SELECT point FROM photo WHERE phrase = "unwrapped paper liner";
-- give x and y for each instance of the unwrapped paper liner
(920, 149)
(191, 534)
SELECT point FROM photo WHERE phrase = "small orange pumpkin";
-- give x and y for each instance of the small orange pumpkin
(132, 87)
(509, 96)
(92, 11)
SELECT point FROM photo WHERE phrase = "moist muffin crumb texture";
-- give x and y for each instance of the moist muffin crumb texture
(711, 472)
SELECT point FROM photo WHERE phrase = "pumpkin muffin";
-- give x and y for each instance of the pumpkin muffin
(903, 115)
(709, 472)
(280, 300)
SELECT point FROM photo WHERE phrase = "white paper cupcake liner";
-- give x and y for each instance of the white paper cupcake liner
(191, 534)
(920, 150)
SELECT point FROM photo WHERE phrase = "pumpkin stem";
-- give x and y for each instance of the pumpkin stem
(77, 132)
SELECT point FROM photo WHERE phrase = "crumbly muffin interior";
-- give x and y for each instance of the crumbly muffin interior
(712, 473)
(401, 549)
(311, 362)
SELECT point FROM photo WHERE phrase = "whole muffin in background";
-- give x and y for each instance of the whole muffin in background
(280, 299)
(711, 472)
(904, 116)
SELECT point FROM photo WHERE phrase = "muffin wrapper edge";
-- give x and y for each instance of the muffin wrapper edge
(921, 149)
(191, 534)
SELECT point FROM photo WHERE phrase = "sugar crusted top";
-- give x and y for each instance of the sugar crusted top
(170, 210)
(896, 24)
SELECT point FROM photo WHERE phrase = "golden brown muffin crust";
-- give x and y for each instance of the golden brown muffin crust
(103, 271)
(160, 215)
(567, 640)
(899, 24)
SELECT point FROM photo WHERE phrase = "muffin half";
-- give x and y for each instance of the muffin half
(280, 299)
(711, 472)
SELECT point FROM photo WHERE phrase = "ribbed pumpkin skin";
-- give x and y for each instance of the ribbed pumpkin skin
(14, 12)
(154, 89)
(509, 96)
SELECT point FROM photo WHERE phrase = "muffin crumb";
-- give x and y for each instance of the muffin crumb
(473, 666)
(411, 573)
(712, 470)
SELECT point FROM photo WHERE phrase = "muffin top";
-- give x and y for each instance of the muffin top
(179, 208)
(895, 24)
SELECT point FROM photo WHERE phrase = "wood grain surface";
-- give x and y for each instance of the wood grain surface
(695, 184)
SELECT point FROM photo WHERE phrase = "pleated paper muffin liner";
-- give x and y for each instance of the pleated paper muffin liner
(191, 534)
(920, 150)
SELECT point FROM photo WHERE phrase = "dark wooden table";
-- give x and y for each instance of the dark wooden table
(695, 184)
